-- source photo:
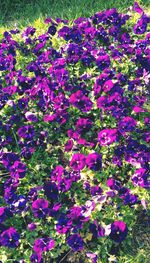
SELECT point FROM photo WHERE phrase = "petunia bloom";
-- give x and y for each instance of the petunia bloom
(75, 242)
(10, 238)
(77, 162)
(40, 208)
(107, 136)
(118, 231)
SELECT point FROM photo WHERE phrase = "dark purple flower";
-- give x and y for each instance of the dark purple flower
(118, 231)
(8, 159)
(96, 230)
(64, 224)
(94, 161)
(75, 242)
(52, 30)
(36, 258)
(127, 124)
(103, 62)
(96, 190)
(130, 199)
(51, 190)
(10, 238)
(141, 25)
(26, 132)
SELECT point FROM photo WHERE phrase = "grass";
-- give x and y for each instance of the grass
(26, 11)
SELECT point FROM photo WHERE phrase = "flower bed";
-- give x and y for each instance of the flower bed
(74, 136)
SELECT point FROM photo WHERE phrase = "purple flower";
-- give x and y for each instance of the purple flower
(80, 101)
(130, 199)
(36, 258)
(51, 190)
(83, 124)
(77, 162)
(93, 257)
(52, 30)
(64, 224)
(139, 178)
(65, 32)
(40, 208)
(43, 244)
(2, 214)
(141, 25)
(75, 242)
(30, 116)
(113, 184)
(94, 161)
(107, 136)
(127, 124)
(10, 238)
(26, 132)
(31, 226)
(103, 62)
(96, 190)
(8, 159)
(96, 230)
(18, 170)
(19, 204)
(118, 231)
(137, 8)
(68, 145)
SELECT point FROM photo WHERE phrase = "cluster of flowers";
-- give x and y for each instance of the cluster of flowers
(74, 132)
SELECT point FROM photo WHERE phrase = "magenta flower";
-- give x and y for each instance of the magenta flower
(68, 145)
(18, 170)
(40, 208)
(94, 161)
(107, 136)
(83, 124)
(77, 162)
(80, 101)
(2, 214)
(43, 244)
